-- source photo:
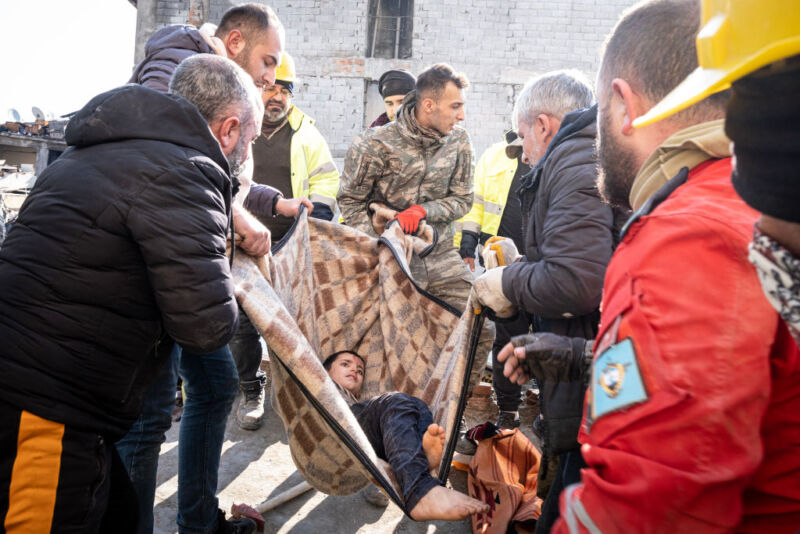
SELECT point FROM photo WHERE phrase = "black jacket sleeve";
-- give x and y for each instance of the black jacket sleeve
(180, 222)
(576, 245)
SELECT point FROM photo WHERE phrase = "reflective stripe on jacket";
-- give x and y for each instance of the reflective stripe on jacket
(493, 176)
(314, 174)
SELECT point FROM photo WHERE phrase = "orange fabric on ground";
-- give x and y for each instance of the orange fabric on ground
(503, 474)
(34, 477)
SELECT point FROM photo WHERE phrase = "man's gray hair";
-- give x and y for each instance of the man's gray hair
(217, 86)
(554, 93)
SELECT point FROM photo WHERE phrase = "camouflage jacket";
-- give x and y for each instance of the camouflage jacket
(404, 163)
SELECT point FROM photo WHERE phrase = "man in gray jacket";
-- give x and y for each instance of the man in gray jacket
(568, 236)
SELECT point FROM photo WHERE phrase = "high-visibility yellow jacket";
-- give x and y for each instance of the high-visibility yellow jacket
(493, 176)
(314, 174)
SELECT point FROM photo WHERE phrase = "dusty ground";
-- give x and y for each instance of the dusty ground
(257, 465)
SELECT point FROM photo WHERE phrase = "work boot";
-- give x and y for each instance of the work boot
(242, 525)
(251, 405)
(508, 420)
(177, 410)
(538, 426)
(465, 445)
(374, 496)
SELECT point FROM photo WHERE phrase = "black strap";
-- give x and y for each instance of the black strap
(450, 448)
(658, 197)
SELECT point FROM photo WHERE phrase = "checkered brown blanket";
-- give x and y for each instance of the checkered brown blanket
(328, 288)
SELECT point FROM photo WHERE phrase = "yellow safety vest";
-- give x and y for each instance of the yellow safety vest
(314, 174)
(493, 176)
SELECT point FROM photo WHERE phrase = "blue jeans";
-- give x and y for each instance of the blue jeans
(210, 382)
(140, 447)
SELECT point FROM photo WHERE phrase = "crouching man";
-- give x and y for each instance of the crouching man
(401, 430)
(118, 251)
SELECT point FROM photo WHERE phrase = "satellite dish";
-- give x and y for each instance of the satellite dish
(38, 113)
(13, 114)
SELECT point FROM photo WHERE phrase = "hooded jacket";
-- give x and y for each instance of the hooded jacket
(164, 50)
(119, 248)
(568, 234)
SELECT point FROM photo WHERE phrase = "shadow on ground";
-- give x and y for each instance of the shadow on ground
(256, 465)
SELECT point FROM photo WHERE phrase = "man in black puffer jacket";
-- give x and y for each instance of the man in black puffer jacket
(118, 251)
(568, 235)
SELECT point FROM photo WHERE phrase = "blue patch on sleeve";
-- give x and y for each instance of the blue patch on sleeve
(616, 380)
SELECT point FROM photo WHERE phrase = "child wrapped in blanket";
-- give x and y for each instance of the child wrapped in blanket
(401, 430)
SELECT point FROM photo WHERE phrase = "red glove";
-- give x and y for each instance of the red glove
(410, 217)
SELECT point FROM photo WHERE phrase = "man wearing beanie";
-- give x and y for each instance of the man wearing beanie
(691, 418)
(393, 86)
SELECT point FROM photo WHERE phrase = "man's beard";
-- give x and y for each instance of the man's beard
(236, 159)
(616, 168)
(275, 116)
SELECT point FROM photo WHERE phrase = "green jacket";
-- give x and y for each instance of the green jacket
(404, 163)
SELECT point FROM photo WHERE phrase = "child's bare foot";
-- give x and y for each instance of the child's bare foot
(433, 445)
(447, 504)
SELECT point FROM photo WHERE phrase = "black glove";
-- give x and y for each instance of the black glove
(469, 242)
(560, 365)
(554, 358)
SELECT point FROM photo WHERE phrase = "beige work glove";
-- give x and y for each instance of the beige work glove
(499, 251)
(488, 291)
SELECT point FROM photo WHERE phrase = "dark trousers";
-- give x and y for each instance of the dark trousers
(140, 447)
(210, 383)
(246, 349)
(54, 478)
(508, 394)
(570, 464)
(394, 424)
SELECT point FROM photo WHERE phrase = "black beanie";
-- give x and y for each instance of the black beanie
(396, 82)
(763, 121)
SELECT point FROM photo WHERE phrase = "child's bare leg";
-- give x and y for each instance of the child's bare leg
(433, 445)
(446, 504)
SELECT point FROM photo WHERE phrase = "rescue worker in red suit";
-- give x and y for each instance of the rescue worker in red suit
(763, 122)
(692, 414)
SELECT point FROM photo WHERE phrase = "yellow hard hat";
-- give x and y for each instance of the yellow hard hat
(285, 71)
(737, 37)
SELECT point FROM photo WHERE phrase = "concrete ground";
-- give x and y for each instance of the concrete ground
(256, 465)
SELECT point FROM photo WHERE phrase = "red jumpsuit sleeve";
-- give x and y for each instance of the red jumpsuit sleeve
(679, 459)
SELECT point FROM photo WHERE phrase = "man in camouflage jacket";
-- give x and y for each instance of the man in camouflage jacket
(420, 165)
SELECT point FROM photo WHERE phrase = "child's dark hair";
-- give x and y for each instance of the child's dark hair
(333, 357)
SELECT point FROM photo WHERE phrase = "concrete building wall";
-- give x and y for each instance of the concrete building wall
(499, 44)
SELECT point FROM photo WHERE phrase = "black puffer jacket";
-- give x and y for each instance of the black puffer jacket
(119, 247)
(568, 235)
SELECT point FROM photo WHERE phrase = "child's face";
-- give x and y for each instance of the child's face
(348, 372)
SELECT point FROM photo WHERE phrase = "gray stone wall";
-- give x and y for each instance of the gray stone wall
(499, 44)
